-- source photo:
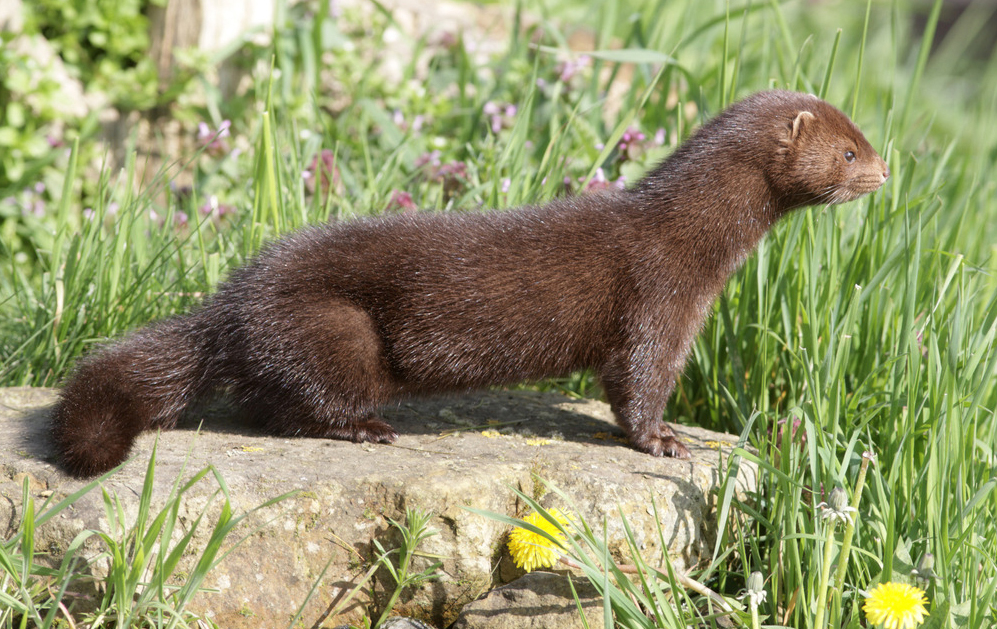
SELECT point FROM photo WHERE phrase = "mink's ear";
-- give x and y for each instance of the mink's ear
(802, 120)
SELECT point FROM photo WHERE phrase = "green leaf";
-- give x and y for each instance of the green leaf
(938, 618)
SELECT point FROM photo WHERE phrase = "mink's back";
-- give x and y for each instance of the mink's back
(458, 300)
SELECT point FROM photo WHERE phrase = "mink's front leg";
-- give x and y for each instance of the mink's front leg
(637, 393)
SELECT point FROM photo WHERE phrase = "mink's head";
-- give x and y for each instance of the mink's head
(822, 157)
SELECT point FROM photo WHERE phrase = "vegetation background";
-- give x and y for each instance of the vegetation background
(867, 327)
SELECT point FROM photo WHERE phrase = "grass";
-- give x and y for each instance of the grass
(145, 584)
(866, 327)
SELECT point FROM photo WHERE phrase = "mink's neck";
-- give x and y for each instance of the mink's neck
(709, 213)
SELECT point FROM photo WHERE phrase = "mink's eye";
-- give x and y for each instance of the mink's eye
(849, 156)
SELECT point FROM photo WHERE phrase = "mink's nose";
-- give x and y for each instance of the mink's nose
(886, 169)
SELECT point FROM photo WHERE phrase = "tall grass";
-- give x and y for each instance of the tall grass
(153, 570)
(865, 327)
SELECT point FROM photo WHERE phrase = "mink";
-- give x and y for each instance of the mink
(328, 324)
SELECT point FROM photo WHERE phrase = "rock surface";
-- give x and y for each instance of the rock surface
(452, 453)
(538, 600)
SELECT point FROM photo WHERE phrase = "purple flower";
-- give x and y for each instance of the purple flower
(401, 201)
(790, 428)
(500, 116)
(631, 145)
(453, 175)
(36, 208)
(399, 119)
(570, 68)
(447, 39)
(599, 182)
(566, 185)
(327, 179)
(214, 141)
(431, 160)
(213, 207)
(452, 171)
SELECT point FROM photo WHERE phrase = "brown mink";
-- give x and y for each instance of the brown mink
(329, 323)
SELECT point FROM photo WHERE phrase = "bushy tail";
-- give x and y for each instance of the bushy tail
(147, 379)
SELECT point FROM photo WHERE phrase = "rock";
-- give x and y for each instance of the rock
(538, 600)
(397, 622)
(453, 453)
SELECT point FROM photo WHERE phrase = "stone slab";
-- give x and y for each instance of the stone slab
(452, 453)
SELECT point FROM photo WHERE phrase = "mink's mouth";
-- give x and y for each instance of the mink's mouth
(850, 190)
(867, 183)
(857, 187)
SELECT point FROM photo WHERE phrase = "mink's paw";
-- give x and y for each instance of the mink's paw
(358, 431)
(662, 443)
(671, 446)
(374, 431)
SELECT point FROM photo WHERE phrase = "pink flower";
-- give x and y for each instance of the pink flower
(214, 141)
(401, 201)
(570, 68)
(790, 428)
(500, 116)
(453, 175)
(327, 178)
(631, 144)
(598, 182)
(213, 207)
(428, 159)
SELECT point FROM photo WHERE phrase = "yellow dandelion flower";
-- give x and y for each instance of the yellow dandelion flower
(530, 550)
(896, 606)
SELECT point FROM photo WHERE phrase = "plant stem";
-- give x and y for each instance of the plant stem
(846, 540)
(825, 573)
(684, 581)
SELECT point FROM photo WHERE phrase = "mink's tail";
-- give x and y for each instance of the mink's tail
(145, 380)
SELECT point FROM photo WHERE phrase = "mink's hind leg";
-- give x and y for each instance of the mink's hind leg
(324, 377)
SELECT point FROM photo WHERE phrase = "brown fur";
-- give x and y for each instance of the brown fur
(328, 324)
